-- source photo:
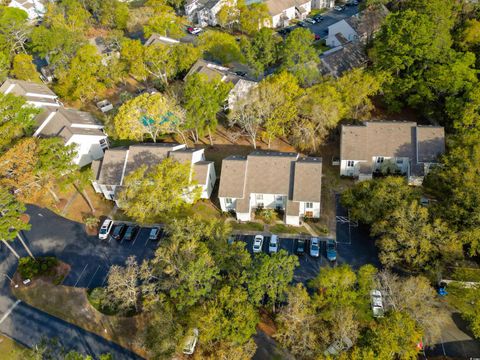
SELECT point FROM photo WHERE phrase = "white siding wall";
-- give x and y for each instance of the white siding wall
(269, 201)
(323, 4)
(211, 178)
(349, 171)
(244, 216)
(88, 148)
(315, 209)
(292, 220)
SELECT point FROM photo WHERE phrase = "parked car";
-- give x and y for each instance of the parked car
(105, 106)
(118, 231)
(300, 247)
(317, 37)
(318, 18)
(130, 233)
(302, 24)
(377, 303)
(331, 250)
(241, 73)
(190, 343)
(105, 229)
(273, 246)
(257, 243)
(310, 21)
(338, 346)
(231, 239)
(339, 8)
(315, 247)
(194, 30)
(155, 233)
(352, 3)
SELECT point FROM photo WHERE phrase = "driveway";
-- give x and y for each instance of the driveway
(53, 235)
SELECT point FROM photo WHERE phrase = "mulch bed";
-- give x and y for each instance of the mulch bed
(60, 272)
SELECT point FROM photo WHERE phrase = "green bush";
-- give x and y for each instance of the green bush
(30, 268)
(96, 297)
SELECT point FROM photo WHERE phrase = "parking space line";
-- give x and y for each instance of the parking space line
(136, 236)
(9, 311)
(106, 276)
(148, 239)
(91, 279)
(80, 275)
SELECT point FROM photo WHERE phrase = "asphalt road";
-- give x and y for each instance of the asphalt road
(52, 235)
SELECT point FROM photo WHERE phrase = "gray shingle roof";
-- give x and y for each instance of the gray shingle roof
(343, 58)
(233, 174)
(307, 185)
(23, 87)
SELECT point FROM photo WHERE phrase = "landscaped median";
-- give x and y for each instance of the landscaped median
(72, 305)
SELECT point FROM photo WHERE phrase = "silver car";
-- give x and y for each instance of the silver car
(257, 243)
(315, 247)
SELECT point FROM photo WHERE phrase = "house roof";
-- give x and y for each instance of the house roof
(276, 7)
(343, 58)
(232, 180)
(307, 184)
(67, 122)
(158, 39)
(368, 21)
(270, 172)
(119, 162)
(200, 171)
(391, 139)
(21, 88)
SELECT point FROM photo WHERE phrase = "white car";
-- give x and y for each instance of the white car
(105, 229)
(310, 21)
(257, 243)
(273, 245)
(338, 8)
(377, 303)
(190, 343)
(315, 247)
(105, 106)
(194, 30)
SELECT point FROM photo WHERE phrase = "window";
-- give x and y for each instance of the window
(228, 201)
(259, 197)
(309, 205)
(278, 198)
(350, 163)
(380, 159)
(399, 161)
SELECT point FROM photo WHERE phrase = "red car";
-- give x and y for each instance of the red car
(194, 30)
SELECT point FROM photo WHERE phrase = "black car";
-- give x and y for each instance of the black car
(318, 18)
(130, 233)
(118, 231)
(300, 247)
(302, 24)
(241, 73)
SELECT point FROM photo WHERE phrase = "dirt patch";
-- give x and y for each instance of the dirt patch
(55, 276)
(71, 304)
(266, 324)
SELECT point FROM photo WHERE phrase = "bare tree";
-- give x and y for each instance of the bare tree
(123, 290)
(415, 296)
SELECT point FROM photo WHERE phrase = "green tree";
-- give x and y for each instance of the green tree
(373, 200)
(220, 46)
(270, 276)
(164, 21)
(14, 30)
(409, 237)
(229, 316)
(23, 68)
(299, 57)
(203, 99)
(262, 50)
(166, 61)
(110, 13)
(132, 54)
(147, 115)
(252, 17)
(16, 119)
(395, 336)
(11, 222)
(228, 16)
(160, 192)
(186, 267)
(84, 78)
(4, 66)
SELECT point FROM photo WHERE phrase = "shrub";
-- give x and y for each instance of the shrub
(30, 268)
(96, 297)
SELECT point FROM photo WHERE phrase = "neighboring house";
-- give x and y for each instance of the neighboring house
(74, 127)
(204, 12)
(408, 148)
(284, 11)
(241, 85)
(35, 9)
(38, 95)
(110, 172)
(273, 180)
(107, 51)
(323, 4)
(343, 58)
(359, 27)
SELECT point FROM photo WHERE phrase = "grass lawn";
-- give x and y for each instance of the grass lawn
(71, 304)
(286, 229)
(9, 347)
(247, 226)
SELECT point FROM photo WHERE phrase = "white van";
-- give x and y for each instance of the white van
(105, 229)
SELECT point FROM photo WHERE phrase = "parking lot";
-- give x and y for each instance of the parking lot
(94, 273)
